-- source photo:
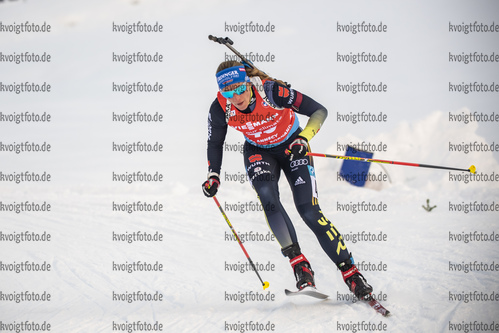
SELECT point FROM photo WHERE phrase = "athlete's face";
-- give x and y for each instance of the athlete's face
(241, 102)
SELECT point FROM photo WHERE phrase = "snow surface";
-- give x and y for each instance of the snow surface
(195, 280)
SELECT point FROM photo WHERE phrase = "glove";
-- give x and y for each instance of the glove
(210, 186)
(298, 148)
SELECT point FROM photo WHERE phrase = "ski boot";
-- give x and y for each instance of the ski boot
(354, 280)
(301, 267)
(303, 272)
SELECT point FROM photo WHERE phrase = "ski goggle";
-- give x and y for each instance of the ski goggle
(239, 90)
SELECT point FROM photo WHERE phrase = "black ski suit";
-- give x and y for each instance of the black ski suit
(264, 164)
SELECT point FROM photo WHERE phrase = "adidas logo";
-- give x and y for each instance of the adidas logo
(299, 181)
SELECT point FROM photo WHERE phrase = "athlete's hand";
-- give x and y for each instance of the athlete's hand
(297, 149)
(211, 185)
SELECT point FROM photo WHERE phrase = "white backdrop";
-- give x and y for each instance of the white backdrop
(433, 52)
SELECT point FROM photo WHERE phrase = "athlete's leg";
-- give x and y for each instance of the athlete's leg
(301, 178)
(264, 172)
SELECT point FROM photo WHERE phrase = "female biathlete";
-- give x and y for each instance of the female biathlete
(264, 110)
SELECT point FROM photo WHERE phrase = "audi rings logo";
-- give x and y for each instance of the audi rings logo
(296, 163)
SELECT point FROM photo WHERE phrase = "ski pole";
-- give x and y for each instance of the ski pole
(264, 284)
(472, 168)
(228, 42)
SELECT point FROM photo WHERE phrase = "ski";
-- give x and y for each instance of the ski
(308, 291)
(313, 292)
(373, 303)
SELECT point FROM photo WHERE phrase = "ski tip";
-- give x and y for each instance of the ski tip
(385, 313)
(472, 169)
(265, 285)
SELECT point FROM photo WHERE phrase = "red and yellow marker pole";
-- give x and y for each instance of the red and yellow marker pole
(472, 168)
(264, 284)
